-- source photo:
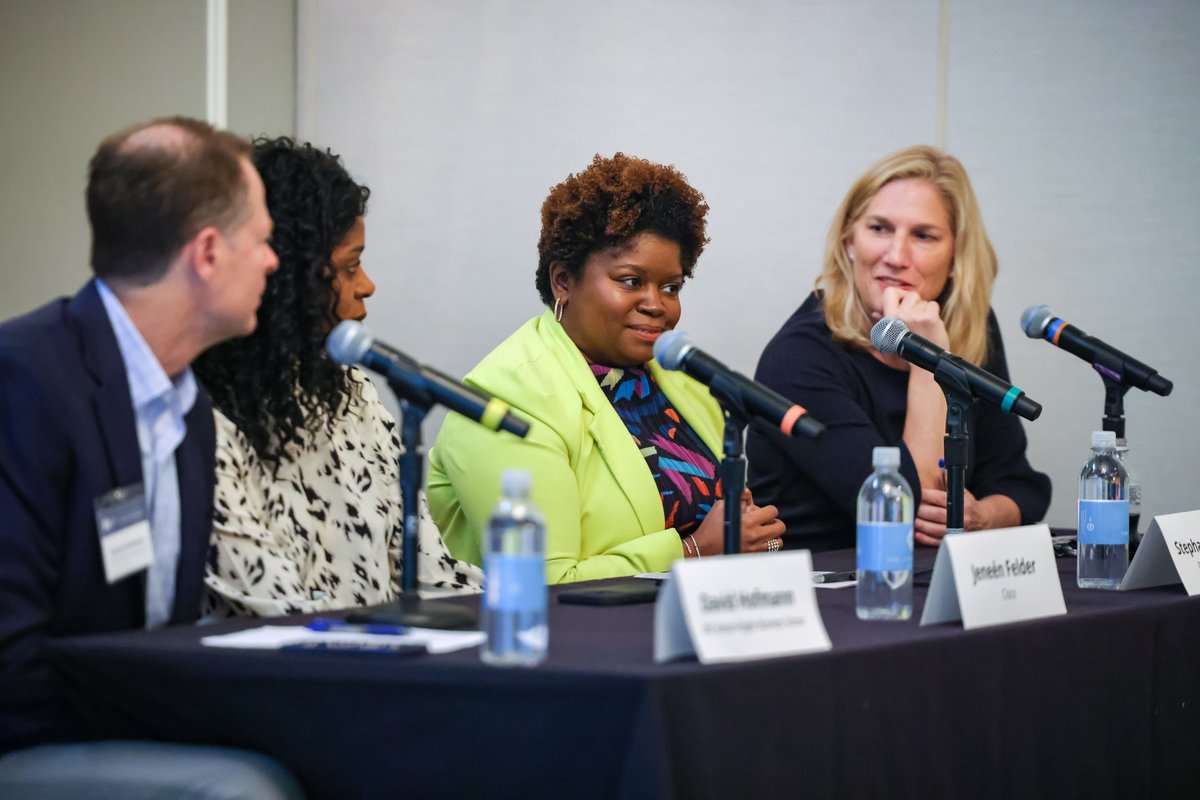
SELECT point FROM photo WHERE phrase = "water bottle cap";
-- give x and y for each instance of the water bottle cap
(1106, 440)
(885, 457)
(515, 482)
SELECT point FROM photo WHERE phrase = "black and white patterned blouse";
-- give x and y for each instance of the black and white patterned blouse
(323, 532)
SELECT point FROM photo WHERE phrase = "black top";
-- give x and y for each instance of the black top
(862, 402)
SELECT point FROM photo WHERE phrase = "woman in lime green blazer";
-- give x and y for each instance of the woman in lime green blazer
(623, 454)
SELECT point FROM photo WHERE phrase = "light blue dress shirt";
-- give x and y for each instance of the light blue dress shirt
(160, 405)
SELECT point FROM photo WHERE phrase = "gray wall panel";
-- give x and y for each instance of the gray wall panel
(262, 67)
(72, 72)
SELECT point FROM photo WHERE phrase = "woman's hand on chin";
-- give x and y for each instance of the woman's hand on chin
(923, 317)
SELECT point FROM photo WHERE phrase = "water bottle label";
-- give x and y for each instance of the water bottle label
(1104, 522)
(515, 583)
(885, 546)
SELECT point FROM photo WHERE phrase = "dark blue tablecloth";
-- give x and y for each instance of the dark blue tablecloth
(1103, 702)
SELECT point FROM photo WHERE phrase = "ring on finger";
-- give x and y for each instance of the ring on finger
(773, 545)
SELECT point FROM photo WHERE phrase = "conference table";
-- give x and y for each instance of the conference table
(1101, 702)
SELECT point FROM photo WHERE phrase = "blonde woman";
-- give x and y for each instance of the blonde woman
(907, 241)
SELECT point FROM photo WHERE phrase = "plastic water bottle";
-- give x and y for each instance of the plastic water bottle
(1133, 490)
(514, 563)
(1103, 517)
(885, 540)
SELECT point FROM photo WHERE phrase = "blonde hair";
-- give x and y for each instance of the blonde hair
(964, 302)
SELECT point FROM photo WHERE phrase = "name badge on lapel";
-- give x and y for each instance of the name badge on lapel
(123, 522)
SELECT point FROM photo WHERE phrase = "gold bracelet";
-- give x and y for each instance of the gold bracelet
(687, 546)
(695, 545)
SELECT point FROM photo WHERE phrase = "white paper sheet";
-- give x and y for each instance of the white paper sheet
(273, 637)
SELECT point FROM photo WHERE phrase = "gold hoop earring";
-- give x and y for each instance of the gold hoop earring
(559, 307)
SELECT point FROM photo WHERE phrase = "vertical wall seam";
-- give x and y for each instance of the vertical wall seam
(216, 87)
(943, 73)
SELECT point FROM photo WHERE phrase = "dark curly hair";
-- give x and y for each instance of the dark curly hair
(610, 202)
(278, 381)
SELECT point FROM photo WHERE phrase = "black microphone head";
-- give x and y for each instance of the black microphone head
(886, 335)
(349, 342)
(670, 348)
(1159, 385)
(1027, 407)
(1035, 319)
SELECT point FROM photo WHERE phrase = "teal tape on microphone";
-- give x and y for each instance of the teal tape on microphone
(1007, 403)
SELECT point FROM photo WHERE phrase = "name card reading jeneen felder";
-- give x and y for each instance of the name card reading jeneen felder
(994, 577)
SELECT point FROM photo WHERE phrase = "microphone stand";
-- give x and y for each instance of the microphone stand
(1115, 389)
(959, 399)
(408, 609)
(733, 465)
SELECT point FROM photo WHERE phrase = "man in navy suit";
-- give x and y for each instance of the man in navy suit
(102, 426)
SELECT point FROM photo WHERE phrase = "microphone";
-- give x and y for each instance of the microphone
(676, 352)
(1039, 323)
(350, 343)
(891, 336)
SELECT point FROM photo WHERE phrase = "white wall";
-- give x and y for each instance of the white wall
(461, 121)
(1076, 122)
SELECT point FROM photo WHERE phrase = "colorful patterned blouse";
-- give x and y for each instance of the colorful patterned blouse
(681, 463)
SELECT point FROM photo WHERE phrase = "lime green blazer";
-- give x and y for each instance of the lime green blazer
(604, 514)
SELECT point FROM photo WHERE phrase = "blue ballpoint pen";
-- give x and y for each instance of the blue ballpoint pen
(327, 624)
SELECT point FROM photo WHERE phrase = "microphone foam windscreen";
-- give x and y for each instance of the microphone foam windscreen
(1034, 320)
(670, 348)
(348, 342)
(886, 335)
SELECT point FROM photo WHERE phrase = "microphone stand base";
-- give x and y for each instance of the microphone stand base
(413, 612)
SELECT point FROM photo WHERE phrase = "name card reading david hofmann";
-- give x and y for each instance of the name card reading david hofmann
(737, 608)
(1169, 553)
(994, 577)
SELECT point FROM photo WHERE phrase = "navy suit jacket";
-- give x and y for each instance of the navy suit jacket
(68, 436)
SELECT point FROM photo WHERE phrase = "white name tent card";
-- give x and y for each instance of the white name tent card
(1169, 553)
(738, 608)
(994, 577)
